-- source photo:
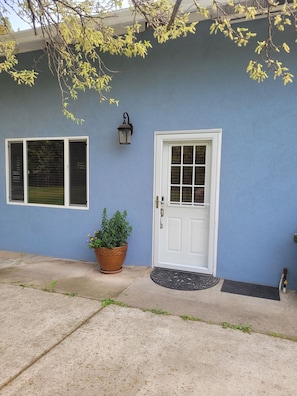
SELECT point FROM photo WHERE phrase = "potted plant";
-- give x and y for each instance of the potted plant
(110, 242)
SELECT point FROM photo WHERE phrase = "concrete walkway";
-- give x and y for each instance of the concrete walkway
(58, 339)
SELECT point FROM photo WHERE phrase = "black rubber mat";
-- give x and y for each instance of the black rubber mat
(250, 289)
(180, 280)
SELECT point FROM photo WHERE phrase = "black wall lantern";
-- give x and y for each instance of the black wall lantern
(125, 130)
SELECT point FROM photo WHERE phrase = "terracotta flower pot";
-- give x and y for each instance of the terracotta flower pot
(111, 260)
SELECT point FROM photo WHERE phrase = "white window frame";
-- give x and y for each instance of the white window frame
(66, 141)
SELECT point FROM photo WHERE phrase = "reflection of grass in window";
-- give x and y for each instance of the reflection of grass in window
(46, 195)
(78, 195)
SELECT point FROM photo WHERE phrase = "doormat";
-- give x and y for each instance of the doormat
(181, 280)
(251, 290)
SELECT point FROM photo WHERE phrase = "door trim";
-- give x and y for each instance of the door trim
(214, 136)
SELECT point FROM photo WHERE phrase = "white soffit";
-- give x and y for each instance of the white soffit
(28, 40)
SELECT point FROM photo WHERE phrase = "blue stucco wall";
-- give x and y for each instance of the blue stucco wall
(193, 83)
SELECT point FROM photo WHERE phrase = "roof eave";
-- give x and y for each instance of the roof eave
(32, 40)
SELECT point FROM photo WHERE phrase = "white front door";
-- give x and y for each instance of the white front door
(187, 165)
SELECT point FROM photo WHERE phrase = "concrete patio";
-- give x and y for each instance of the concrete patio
(58, 339)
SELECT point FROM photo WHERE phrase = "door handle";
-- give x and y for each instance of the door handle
(161, 214)
(157, 201)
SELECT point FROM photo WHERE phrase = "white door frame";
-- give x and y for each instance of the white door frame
(214, 136)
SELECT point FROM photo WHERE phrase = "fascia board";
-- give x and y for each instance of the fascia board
(28, 40)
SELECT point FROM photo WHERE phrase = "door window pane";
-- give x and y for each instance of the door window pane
(188, 155)
(187, 175)
(199, 175)
(199, 195)
(200, 154)
(175, 194)
(175, 175)
(176, 155)
(187, 195)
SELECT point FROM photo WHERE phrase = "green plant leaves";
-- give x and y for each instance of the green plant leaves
(114, 231)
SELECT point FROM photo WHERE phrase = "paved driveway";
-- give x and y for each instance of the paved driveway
(58, 339)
